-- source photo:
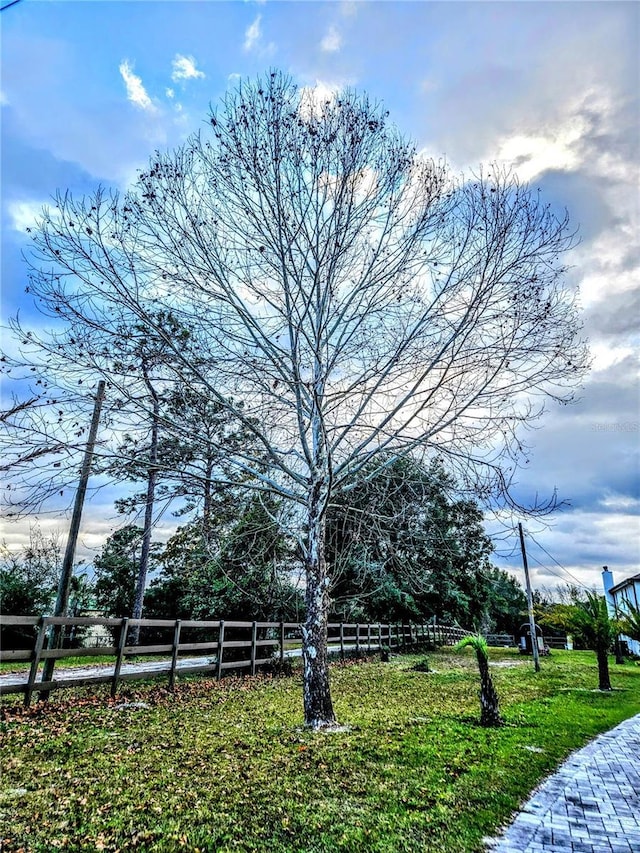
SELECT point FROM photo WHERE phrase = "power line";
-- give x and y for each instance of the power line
(557, 574)
(9, 5)
(551, 557)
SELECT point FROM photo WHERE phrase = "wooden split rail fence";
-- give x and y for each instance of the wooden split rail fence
(235, 646)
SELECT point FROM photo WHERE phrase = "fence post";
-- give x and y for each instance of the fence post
(379, 637)
(282, 642)
(174, 653)
(368, 638)
(342, 641)
(122, 642)
(254, 637)
(358, 640)
(220, 649)
(35, 663)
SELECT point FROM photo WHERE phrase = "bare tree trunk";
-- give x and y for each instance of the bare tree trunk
(604, 682)
(490, 709)
(134, 635)
(318, 708)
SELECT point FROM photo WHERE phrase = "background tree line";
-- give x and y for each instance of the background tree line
(403, 544)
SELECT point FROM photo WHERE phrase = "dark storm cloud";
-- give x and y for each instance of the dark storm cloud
(611, 132)
(31, 177)
(589, 451)
(34, 172)
(615, 315)
(581, 196)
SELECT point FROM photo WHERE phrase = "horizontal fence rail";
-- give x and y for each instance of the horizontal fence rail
(509, 640)
(213, 647)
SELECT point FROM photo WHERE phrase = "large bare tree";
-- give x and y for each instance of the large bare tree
(360, 301)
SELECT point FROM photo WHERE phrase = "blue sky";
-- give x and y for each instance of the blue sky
(90, 88)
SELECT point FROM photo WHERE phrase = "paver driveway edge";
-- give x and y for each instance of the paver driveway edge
(591, 804)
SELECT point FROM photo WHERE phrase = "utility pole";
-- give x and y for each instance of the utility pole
(532, 623)
(64, 584)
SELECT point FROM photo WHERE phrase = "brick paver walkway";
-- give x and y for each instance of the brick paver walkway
(591, 805)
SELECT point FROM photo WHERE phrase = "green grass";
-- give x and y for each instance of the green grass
(88, 660)
(107, 660)
(228, 767)
(79, 661)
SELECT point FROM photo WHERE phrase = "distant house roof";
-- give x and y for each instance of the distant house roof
(625, 583)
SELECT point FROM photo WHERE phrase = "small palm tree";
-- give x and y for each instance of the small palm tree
(489, 704)
(590, 620)
(630, 622)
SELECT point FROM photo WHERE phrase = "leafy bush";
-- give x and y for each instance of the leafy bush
(28, 584)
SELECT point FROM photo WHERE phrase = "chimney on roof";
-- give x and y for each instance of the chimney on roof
(607, 583)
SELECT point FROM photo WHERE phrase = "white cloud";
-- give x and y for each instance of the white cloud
(4, 100)
(170, 93)
(332, 41)
(253, 34)
(532, 155)
(253, 40)
(98, 523)
(605, 355)
(184, 68)
(581, 541)
(428, 85)
(136, 92)
(348, 8)
(314, 98)
(24, 213)
(583, 155)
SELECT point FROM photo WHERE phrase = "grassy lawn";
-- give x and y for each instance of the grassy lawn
(88, 660)
(222, 767)
(106, 660)
(80, 661)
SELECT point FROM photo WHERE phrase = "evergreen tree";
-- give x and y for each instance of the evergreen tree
(506, 603)
(116, 571)
(239, 569)
(403, 546)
